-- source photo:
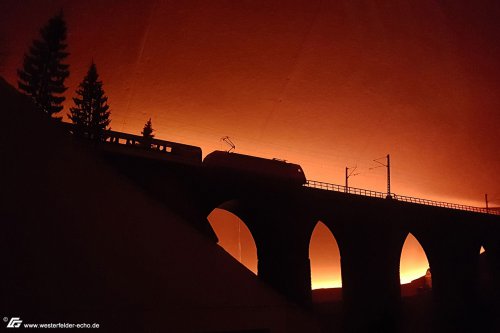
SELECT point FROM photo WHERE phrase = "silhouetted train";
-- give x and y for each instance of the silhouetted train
(153, 148)
(254, 168)
(222, 163)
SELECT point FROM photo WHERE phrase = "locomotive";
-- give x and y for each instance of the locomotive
(252, 168)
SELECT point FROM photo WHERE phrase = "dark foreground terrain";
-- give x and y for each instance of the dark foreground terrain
(81, 243)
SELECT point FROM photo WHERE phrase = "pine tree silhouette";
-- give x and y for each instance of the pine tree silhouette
(91, 112)
(148, 130)
(147, 133)
(43, 74)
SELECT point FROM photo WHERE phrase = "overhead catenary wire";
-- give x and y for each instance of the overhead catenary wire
(388, 166)
(348, 175)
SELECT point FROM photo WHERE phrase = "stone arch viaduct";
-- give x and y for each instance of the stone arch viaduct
(370, 232)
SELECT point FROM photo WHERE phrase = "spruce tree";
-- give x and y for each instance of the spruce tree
(90, 115)
(43, 74)
(147, 133)
(148, 130)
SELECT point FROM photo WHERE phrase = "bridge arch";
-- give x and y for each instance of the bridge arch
(324, 256)
(415, 271)
(235, 235)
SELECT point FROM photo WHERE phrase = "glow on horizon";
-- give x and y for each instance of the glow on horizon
(332, 172)
(325, 284)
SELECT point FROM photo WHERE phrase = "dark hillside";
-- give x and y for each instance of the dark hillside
(79, 243)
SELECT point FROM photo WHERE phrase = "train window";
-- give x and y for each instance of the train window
(299, 170)
(168, 149)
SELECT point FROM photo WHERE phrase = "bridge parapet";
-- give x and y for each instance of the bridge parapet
(382, 195)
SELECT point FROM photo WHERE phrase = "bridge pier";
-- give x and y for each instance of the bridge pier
(452, 244)
(282, 248)
(287, 273)
(454, 276)
(491, 242)
(370, 270)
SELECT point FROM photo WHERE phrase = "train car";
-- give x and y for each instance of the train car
(153, 148)
(126, 144)
(254, 168)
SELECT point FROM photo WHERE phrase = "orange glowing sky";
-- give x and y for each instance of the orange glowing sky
(325, 84)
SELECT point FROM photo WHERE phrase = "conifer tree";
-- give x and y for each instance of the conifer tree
(90, 115)
(147, 133)
(43, 74)
(148, 130)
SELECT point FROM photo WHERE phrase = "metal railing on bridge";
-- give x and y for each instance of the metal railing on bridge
(382, 195)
